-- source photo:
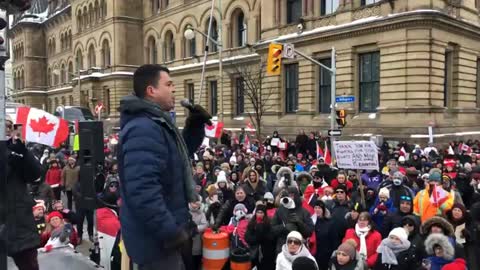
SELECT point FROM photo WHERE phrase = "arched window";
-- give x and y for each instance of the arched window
(14, 80)
(63, 101)
(49, 77)
(22, 75)
(69, 38)
(104, 8)
(214, 35)
(79, 20)
(169, 54)
(54, 46)
(86, 23)
(91, 56)
(91, 13)
(63, 74)
(105, 54)
(56, 76)
(70, 100)
(62, 44)
(155, 6)
(70, 71)
(79, 60)
(294, 11)
(49, 105)
(97, 11)
(56, 105)
(189, 45)
(239, 31)
(152, 51)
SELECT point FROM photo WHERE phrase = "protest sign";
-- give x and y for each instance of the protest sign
(362, 155)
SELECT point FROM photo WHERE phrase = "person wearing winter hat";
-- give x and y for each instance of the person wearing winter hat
(54, 222)
(324, 233)
(394, 252)
(254, 186)
(200, 220)
(222, 185)
(440, 251)
(291, 250)
(269, 201)
(260, 239)
(346, 257)
(425, 205)
(39, 215)
(460, 219)
(382, 206)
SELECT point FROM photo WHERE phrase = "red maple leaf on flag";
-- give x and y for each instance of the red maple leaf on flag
(41, 125)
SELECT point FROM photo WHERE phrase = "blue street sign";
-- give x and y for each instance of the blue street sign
(345, 99)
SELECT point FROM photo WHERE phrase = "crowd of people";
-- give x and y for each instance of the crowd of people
(419, 210)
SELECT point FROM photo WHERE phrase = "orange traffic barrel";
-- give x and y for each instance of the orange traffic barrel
(216, 250)
(240, 260)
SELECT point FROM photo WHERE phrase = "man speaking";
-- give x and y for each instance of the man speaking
(155, 171)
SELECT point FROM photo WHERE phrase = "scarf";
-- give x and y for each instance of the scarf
(390, 250)
(182, 147)
(362, 234)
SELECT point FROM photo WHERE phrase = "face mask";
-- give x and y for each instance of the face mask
(397, 182)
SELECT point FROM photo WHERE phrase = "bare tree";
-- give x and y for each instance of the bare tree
(255, 92)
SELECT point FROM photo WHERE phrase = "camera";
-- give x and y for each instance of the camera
(287, 202)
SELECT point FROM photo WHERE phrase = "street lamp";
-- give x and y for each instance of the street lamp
(189, 34)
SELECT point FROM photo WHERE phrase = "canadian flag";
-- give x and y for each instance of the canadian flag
(439, 196)
(328, 156)
(215, 130)
(246, 144)
(403, 152)
(42, 127)
(465, 148)
(319, 151)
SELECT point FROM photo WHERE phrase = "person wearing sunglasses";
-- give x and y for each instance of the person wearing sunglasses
(22, 169)
(292, 249)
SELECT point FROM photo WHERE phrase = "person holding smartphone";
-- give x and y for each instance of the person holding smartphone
(22, 168)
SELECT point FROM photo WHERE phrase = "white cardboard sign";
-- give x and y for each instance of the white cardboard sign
(362, 155)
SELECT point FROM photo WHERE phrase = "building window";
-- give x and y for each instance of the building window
(63, 74)
(86, 23)
(105, 54)
(325, 83)
(369, 2)
(106, 99)
(447, 82)
(169, 53)
(294, 11)
(191, 92)
(49, 75)
(240, 95)
(70, 72)
(212, 47)
(79, 60)
(328, 6)
(155, 6)
(70, 100)
(189, 45)
(213, 98)
(239, 31)
(291, 88)
(369, 81)
(478, 83)
(91, 57)
(152, 51)
(79, 20)
(97, 12)
(104, 9)
(63, 101)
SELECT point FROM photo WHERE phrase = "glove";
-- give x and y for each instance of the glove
(17, 146)
(291, 227)
(293, 218)
(197, 117)
(180, 239)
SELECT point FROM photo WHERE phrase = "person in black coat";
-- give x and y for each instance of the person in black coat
(411, 223)
(324, 234)
(402, 254)
(22, 168)
(260, 240)
(291, 216)
(394, 219)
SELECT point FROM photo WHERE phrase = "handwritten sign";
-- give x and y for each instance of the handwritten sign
(361, 155)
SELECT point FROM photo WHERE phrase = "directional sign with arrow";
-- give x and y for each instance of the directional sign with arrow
(334, 132)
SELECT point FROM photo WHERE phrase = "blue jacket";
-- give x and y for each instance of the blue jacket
(378, 218)
(154, 203)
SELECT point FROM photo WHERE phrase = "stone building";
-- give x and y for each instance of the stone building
(409, 63)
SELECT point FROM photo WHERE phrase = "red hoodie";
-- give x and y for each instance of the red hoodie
(54, 177)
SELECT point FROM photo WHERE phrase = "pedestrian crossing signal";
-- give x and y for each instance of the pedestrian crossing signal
(274, 62)
(341, 117)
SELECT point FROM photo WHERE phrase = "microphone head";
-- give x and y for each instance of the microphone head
(185, 102)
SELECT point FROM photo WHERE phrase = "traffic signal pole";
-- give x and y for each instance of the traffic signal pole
(333, 83)
(3, 150)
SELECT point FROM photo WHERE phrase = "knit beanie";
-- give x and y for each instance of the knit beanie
(39, 204)
(435, 177)
(240, 206)
(261, 207)
(222, 178)
(348, 249)
(401, 233)
(54, 214)
(295, 235)
(268, 196)
(384, 192)
(304, 263)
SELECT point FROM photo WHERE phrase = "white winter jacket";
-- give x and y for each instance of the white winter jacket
(285, 259)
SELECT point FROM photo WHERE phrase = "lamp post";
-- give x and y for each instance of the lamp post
(190, 34)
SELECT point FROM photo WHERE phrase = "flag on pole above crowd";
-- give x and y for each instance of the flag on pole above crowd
(326, 155)
(215, 130)
(42, 127)
(464, 148)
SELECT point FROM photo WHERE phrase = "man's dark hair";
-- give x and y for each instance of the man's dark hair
(146, 75)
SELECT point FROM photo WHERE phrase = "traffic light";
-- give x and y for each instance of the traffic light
(274, 62)
(341, 117)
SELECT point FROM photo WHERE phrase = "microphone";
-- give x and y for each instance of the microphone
(188, 105)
